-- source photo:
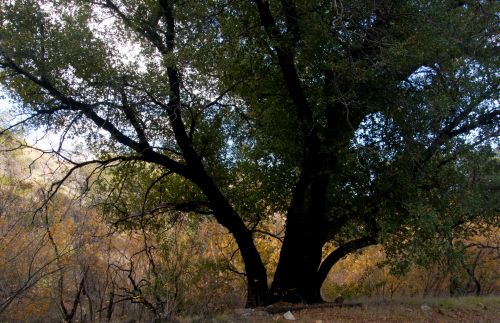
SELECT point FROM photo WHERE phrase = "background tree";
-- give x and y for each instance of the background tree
(354, 120)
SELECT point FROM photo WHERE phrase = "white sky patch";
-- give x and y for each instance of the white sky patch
(39, 137)
(129, 52)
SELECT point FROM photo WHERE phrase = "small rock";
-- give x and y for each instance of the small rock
(260, 313)
(243, 311)
(425, 307)
(318, 321)
(289, 316)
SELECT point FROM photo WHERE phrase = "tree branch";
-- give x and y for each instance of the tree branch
(132, 116)
(339, 253)
(286, 61)
(70, 104)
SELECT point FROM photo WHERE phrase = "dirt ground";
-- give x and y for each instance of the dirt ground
(466, 309)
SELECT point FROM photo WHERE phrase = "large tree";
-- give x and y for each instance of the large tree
(362, 122)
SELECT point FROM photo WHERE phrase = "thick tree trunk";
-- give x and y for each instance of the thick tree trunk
(301, 253)
(301, 273)
(295, 277)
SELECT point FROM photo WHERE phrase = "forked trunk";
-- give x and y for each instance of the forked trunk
(301, 271)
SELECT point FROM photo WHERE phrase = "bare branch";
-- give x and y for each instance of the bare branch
(267, 233)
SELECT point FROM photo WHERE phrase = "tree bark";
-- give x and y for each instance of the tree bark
(257, 288)
(295, 277)
(301, 253)
(338, 254)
